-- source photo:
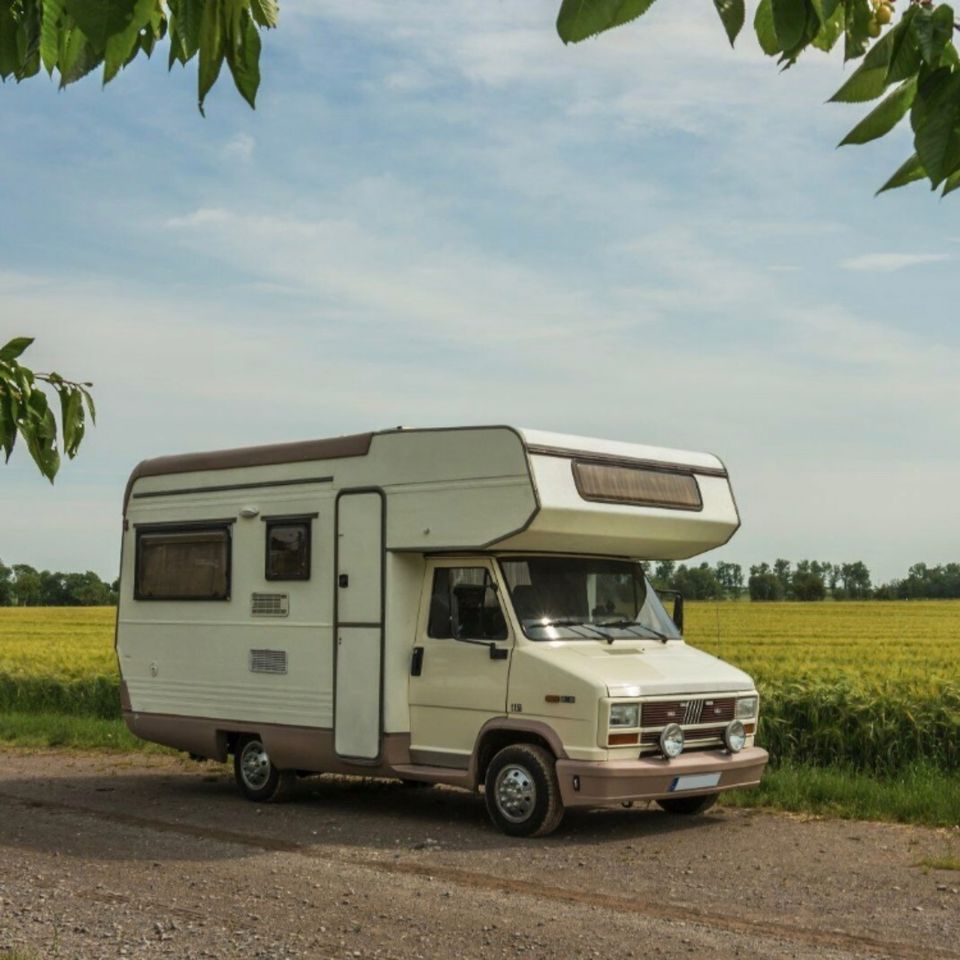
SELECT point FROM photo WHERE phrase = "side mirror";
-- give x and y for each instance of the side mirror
(678, 611)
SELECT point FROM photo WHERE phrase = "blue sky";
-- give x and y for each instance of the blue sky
(455, 219)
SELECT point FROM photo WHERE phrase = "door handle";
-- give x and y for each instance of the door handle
(416, 662)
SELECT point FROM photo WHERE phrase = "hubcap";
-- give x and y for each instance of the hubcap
(254, 765)
(516, 793)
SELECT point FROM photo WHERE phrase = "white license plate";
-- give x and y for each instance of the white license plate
(694, 781)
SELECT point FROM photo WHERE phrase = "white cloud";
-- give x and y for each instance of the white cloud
(883, 262)
(240, 147)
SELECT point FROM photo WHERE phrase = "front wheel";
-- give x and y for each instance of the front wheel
(257, 777)
(522, 793)
(688, 806)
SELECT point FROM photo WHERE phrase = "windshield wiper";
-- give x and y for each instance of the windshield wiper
(567, 622)
(632, 624)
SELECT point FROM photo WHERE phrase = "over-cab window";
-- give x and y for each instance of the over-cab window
(288, 548)
(187, 562)
(464, 605)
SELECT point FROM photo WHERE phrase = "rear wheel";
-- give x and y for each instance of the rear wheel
(258, 779)
(688, 806)
(522, 793)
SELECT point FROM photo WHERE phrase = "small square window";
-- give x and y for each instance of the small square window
(288, 550)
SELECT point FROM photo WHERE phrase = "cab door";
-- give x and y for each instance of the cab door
(461, 661)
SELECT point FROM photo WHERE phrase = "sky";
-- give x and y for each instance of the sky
(441, 220)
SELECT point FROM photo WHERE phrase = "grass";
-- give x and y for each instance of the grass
(66, 730)
(947, 862)
(920, 794)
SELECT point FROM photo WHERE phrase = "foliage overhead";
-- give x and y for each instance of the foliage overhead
(25, 410)
(74, 37)
(912, 68)
(913, 65)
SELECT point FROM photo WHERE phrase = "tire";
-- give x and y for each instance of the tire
(522, 793)
(688, 806)
(258, 779)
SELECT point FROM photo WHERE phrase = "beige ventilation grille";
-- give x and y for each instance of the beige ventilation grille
(268, 661)
(270, 605)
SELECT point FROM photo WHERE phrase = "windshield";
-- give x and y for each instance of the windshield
(584, 598)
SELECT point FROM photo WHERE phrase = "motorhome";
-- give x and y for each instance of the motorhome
(463, 606)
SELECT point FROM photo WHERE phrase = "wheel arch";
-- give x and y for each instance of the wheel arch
(503, 732)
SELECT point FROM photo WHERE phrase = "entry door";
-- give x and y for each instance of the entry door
(359, 624)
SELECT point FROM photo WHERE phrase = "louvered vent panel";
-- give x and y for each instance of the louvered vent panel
(268, 661)
(270, 604)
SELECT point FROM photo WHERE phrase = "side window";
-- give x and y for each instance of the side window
(464, 605)
(185, 563)
(288, 549)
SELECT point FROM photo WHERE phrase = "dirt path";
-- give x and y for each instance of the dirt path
(151, 857)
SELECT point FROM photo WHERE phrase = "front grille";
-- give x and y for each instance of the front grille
(694, 710)
(693, 714)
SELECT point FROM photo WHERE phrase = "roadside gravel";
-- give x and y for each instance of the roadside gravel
(137, 857)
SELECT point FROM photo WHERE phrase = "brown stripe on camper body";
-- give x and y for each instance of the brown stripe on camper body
(336, 448)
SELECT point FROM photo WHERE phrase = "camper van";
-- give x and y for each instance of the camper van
(463, 606)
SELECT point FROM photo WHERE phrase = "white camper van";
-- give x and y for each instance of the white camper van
(461, 606)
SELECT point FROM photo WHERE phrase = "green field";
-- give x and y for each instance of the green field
(866, 694)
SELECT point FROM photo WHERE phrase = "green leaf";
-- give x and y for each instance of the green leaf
(71, 419)
(101, 19)
(932, 31)
(91, 409)
(905, 54)
(856, 23)
(951, 183)
(935, 118)
(244, 61)
(789, 21)
(211, 49)
(265, 12)
(869, 80)
(579, 19)
(28, 39)
(763, 25)
(51, 25)
(124, 45)
(8, 42)
(732, 14)
(885, 116)
(831, 29)
(13, 348)
(77, 57)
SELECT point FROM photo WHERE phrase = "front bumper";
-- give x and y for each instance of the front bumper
(598, 783)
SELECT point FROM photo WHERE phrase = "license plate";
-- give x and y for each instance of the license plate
(694, 781)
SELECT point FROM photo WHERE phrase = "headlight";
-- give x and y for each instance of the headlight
(746, 708)
(671, 740)
(625, 715)
(735, 736)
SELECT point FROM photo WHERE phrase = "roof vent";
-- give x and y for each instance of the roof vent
(269, 605)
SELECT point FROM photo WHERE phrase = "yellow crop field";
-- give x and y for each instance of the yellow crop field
(71, 643)
(914, 642)
(871, 685)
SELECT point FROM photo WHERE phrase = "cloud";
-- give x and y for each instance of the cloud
(240, 147)
(884, 262)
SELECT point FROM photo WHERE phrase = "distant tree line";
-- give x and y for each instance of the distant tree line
(807, 580)
(22, 586)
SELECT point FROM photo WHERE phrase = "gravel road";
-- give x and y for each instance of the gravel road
(137, 857)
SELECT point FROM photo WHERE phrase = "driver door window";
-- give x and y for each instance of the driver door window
(464, 605)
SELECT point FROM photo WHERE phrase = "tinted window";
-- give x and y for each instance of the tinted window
(288, 550)
(183, 564)
(464, 605)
